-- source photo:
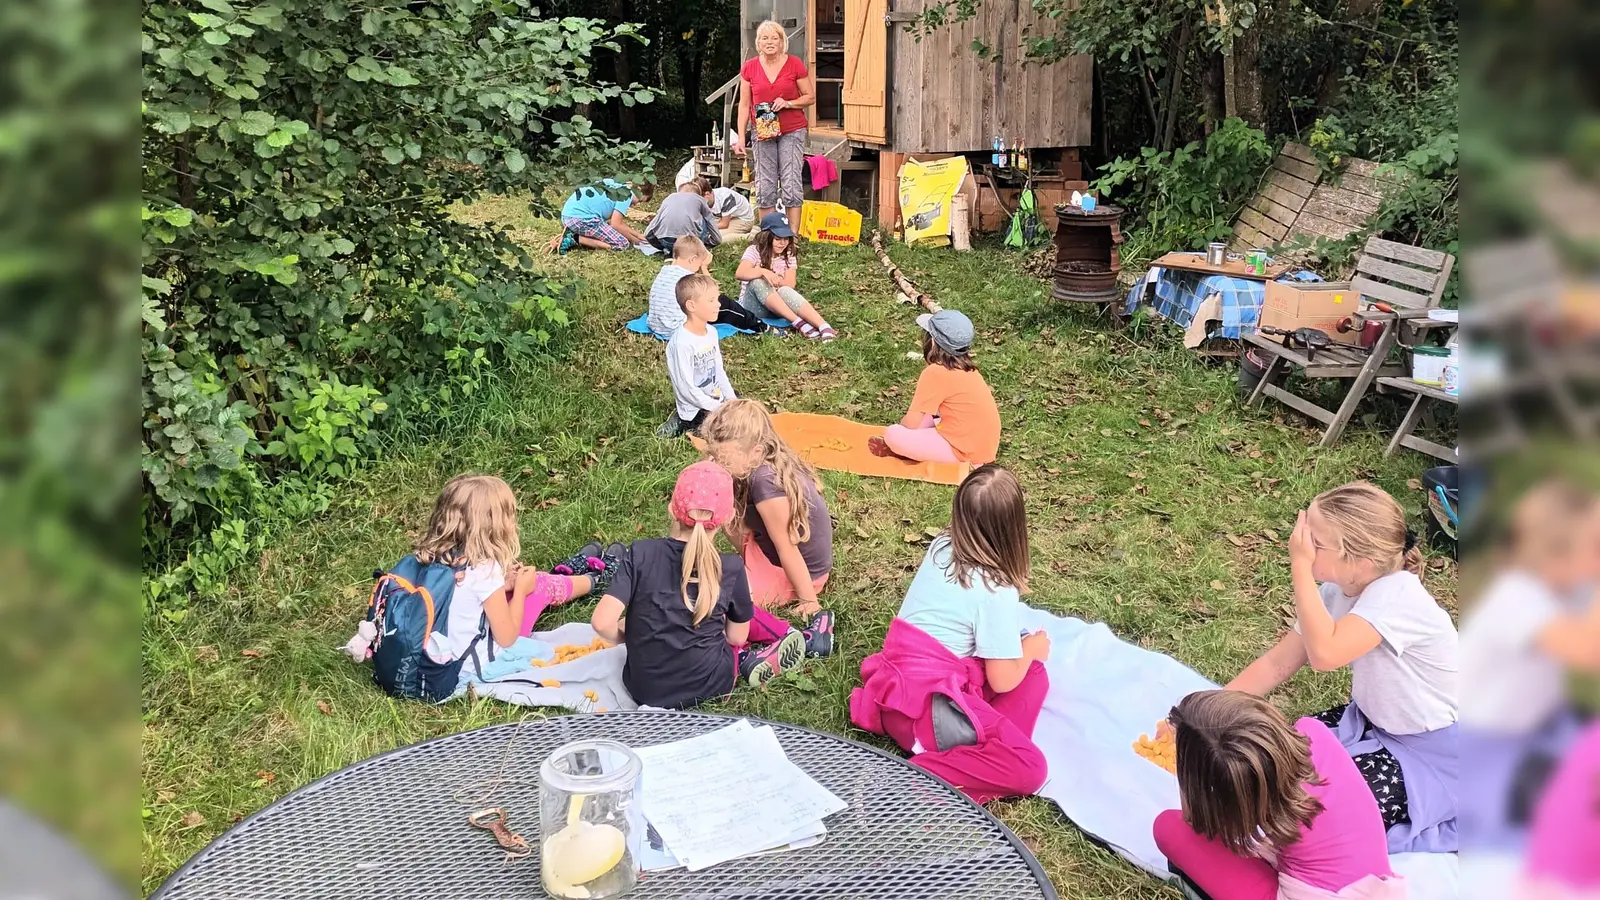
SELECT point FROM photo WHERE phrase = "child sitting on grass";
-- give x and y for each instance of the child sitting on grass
(953, 416)
(1360, 603)
(684, 610)
(683, 214)
(787, 535)
(956, 664)
(694, 359)
(1270, 811)
(689, 257)
(768, 271)
(594, 219)
(473, 533)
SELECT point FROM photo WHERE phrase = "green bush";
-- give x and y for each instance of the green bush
(1188, 196)
(304, 281)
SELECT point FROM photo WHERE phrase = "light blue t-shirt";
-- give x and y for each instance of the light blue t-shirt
(589, 202)
(983, 621)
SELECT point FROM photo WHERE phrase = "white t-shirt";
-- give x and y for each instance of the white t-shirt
(1508, 685)
(694, 365)
(1408, 683)
(466, 608)
(666, 316)
(980, 621)
(729, 202)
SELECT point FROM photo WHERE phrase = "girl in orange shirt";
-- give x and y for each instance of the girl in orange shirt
(953, 416)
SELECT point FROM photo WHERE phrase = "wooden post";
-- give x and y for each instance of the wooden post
(889, 189)
(899, 277)
(960, 228)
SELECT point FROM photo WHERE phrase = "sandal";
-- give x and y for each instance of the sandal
(826, 334)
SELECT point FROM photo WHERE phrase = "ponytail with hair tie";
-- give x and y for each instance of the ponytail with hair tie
(702, 564)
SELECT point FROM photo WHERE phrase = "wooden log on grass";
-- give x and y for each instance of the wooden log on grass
(899, 277)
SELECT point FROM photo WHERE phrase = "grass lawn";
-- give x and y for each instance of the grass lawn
(1157, 506)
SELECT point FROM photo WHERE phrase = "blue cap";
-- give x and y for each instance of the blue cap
(778, 224)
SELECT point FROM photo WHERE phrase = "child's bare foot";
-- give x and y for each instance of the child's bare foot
(877, 446)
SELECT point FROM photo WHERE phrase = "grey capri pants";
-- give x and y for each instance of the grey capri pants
(780, 170)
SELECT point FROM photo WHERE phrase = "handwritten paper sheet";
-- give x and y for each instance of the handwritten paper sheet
(729, 794)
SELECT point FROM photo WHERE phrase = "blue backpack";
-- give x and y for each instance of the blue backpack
(409, 603)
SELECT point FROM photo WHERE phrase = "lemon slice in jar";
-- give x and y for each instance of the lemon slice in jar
(582, 852)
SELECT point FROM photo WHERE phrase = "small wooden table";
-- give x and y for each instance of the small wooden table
(1403, 436)
(1196, 262)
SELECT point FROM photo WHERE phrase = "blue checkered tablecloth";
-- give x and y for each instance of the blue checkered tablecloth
(1179, 293)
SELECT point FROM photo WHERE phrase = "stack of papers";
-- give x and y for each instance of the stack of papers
(727, 795)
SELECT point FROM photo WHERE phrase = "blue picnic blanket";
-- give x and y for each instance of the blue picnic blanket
(1179, 293)
(641, 325)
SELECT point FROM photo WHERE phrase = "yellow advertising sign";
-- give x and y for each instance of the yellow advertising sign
(926, 189)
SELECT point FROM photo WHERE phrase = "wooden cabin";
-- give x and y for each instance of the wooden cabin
(884, 94)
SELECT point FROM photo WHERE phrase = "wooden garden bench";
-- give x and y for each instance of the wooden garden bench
(1409, 279)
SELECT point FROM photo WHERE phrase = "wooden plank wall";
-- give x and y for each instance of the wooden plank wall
(1295, 202)
(945, 98)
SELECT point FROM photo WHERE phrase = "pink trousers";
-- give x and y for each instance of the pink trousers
(1007, 763)
(1213, 868)
(769, 584)
(924, 443)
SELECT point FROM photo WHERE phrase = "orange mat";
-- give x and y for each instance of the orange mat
(840, 445)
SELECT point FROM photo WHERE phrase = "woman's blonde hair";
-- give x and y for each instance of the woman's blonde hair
(770, 25)
(1369, 524)
(1545, 523)
(702, 565)
(474, 521)
(745, 424)
(989, 530)
(1242, 770)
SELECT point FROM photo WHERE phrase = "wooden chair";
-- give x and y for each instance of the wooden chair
(1409, 279)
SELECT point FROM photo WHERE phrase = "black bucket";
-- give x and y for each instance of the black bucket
(1443, 484)
(1253, 364)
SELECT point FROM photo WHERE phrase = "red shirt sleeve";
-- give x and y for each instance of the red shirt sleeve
(747, 71)
(797, 67)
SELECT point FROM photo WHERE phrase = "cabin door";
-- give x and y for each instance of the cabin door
(866, 70)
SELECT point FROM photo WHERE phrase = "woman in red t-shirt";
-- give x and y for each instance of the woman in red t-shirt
(783, 81)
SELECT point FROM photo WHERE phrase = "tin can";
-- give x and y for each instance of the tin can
(1256, 261)
(1216, 253)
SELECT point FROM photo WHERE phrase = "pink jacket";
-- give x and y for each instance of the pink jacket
(904, 676)
(1369, 888)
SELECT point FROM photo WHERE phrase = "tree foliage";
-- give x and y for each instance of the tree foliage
(303, 276)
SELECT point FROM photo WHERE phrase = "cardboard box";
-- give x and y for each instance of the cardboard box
(1311, 304)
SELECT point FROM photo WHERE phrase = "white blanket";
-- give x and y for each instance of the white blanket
(590, 683)
(1104, 693)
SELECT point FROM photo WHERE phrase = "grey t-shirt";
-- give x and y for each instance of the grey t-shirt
(680, 214)
(1408, 684)
(817, 551)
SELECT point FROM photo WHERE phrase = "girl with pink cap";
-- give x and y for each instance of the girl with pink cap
(684, 609)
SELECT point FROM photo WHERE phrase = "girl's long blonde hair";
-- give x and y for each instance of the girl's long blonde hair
(745, 424)
(1242, 770)
(474, 521)
(702, 565)
(1369, 524)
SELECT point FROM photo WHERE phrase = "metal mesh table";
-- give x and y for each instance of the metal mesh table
(394, 826)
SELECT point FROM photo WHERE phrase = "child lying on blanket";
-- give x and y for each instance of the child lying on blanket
(958, 684)
(1270, 811)
(779, 514)
(1372, 613)
(953, 416)
(473, 530)
(684, 610)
